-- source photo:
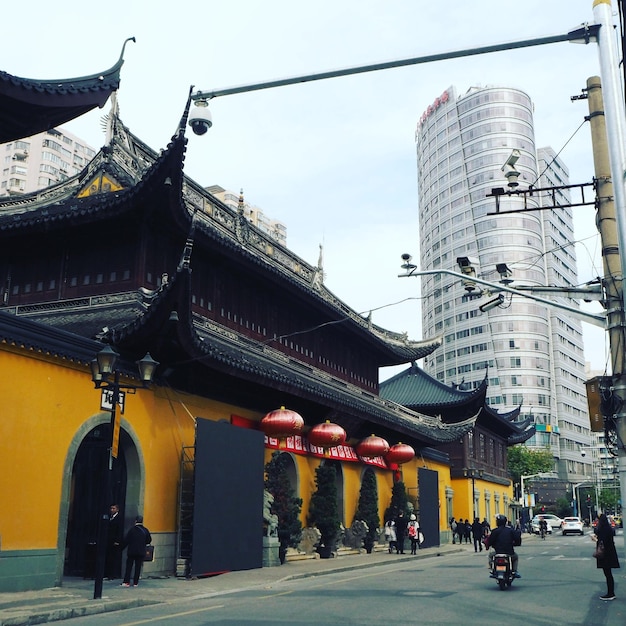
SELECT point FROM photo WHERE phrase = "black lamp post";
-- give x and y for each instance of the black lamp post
(113, 394)
(473, 473)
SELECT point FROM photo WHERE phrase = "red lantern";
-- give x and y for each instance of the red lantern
(400, 453)
(371, 447)
(282, 423)
(327, 435)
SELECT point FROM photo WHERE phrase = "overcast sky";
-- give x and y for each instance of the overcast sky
(334, 160)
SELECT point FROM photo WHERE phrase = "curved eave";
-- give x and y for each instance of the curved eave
(415, 388)
(208, 345)
(520, 437)
(29, 106)
(32, 213)
(393, 348)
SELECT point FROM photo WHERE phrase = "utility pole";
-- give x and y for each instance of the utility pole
(612, 404)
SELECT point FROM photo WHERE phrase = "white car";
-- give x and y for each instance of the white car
(572, 525)
(554, 522)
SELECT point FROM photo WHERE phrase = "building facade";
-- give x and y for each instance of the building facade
(42, 160)
(221, 306)
(531, 354)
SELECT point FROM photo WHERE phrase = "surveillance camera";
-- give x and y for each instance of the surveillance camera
(492, 304)
(583, 453)
(200, 118)
(406, 257)
(513, 158)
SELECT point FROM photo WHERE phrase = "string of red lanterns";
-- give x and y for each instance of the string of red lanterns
(282, 423)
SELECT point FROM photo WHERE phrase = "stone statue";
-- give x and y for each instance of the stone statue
(270, 521)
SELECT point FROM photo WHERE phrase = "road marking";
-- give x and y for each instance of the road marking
(560, 557)
(173, 615)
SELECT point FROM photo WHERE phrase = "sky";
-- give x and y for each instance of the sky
(334, 160)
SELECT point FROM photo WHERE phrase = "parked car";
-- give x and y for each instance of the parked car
(554, 522)
(572, 525)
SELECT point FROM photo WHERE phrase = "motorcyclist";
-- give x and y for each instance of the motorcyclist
(502, 540)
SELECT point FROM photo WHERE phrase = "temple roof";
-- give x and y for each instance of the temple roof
(414, 387)
(419, 391)
(127, 174)
(201, 357)
(30, 106)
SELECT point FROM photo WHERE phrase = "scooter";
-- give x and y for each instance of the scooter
(502, 571)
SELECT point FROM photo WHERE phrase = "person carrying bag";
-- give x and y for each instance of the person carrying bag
(136, 540)
(606, 554)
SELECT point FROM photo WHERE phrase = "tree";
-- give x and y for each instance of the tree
(367, 508)
(399, 500)
(523, 461)
(323, 509)
(286, 505)
(608, 498)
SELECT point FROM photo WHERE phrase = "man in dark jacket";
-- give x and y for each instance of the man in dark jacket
(115, 534)
(401, 524)
(503, 539)
(136, 540)
(477, 534)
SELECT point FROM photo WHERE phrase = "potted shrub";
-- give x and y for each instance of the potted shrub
(367, 509)
(286, 505)
(323, 510)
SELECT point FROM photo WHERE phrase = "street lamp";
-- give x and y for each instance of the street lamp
(473, 473)
(113, 394)
(526, 477)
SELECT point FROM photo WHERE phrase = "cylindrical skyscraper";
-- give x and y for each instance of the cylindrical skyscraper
(532, 354)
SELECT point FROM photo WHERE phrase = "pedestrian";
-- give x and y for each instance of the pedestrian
(453, 528)
(401, 524)
(413, 530)
(477, 535)
(136, 540)
(467, 531)
(604, 535)
(390, 534)
(115, 534)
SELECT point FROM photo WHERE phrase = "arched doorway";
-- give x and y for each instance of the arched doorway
(83, 494)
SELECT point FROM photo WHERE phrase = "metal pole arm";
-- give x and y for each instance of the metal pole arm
(591, 318)
(585, 34)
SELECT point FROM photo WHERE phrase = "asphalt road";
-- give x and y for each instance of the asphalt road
(560, 586)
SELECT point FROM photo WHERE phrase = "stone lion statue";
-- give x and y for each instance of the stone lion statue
(270, 520)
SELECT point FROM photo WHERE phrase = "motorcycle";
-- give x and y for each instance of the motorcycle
(502, 571)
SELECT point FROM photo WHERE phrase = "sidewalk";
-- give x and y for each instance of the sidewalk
(75, 597)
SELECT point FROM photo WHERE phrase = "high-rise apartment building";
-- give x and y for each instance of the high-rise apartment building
(532, 354)
(41, 160)
(275, 229)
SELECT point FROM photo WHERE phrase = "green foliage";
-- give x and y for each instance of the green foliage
(286, 506)
(564, 507)
(367, 509)
(323, 510)
(523, 461)
(399, 500)
(608, 499)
